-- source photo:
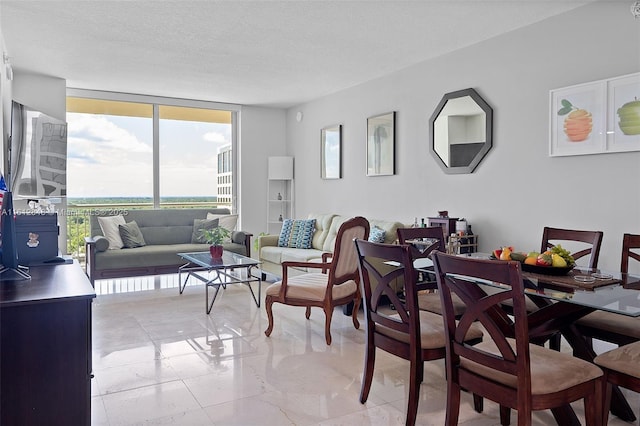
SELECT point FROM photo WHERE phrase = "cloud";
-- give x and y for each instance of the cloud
(218, 138)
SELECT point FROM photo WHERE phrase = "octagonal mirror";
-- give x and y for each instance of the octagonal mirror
(460, 131)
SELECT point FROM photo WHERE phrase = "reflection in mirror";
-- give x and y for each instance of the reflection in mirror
(331, 152)
(461, 131)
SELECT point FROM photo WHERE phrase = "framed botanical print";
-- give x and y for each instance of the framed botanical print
(381, 145)
(623, 132)
(594, 118)
(577, 120)
(331, 152)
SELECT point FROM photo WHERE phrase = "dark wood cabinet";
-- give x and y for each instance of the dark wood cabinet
(45, 347)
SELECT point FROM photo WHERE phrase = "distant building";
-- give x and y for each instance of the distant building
(225, 176)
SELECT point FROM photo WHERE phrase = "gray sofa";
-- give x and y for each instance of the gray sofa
(166, 232)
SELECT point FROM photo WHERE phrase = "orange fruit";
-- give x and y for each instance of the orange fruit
(531, 260)
(578, 125)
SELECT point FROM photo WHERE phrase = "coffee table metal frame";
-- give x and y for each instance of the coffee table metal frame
(226, 271)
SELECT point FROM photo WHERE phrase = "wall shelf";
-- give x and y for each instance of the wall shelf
(279, 193)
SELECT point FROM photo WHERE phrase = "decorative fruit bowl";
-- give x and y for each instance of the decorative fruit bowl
(546, 270)
(556, 261)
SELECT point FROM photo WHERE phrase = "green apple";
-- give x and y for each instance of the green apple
(629, 115)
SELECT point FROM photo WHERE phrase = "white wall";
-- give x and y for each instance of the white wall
(518, 188)
(5, 105)
(262, 135)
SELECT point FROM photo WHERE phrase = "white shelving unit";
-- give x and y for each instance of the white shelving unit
(279, 193)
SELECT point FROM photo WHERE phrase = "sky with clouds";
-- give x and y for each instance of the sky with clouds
(111, 156)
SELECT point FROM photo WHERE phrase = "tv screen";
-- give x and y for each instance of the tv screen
(37, 157)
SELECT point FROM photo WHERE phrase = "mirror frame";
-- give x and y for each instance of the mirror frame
(488, 142)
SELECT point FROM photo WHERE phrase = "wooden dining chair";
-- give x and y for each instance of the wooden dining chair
(428, 300)
(407, 332)
(505, 367)
(621, 367)
(610, 327)
(581, 244)
(326, 290)
(588, 243)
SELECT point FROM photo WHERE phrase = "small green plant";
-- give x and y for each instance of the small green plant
(256, 242)
(215, 236)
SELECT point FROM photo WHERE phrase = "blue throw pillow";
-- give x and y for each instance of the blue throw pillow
(377, 235)
(297, 233)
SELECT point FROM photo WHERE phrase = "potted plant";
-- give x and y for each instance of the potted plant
(215, 237)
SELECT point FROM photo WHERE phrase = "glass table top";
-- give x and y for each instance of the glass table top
(228, 260)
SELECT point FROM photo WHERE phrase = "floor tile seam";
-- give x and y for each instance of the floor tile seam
(104, 408)
(149, 385)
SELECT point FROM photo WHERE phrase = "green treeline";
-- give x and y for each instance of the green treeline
(137, 200)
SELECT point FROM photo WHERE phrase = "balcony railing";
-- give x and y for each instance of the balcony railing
(78, 227)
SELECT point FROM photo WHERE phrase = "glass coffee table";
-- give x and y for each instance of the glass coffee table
(232, 268)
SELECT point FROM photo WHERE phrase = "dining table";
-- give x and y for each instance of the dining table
(563, 299)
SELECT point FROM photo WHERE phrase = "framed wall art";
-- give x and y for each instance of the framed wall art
(623, 133)
(594, 118)
(381, 145)
(331, 152)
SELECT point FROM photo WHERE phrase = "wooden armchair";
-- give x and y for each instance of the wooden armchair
(505, 367)
(337, 283)
(407, 332)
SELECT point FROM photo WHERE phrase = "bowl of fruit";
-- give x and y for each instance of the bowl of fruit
(555, 261)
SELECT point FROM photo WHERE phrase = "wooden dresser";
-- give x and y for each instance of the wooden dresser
(45, 347)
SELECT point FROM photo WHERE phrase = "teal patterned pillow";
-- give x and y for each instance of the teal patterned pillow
(377, 235)
(297, 233)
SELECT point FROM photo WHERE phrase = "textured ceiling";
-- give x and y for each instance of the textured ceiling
(272, 53)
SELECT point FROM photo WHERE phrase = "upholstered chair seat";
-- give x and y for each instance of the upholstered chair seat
(313, 286)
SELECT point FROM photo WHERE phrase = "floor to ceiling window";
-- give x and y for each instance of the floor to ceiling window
(190, 141)
(136, 151)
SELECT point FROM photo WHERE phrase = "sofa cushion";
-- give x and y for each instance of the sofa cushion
(110, 229)
(323, 222)
(278, 255)
(297, 233)
(226, 221)
(292, 255)
(199, 226)
(102, 243)
(131, 235)
(330, 241)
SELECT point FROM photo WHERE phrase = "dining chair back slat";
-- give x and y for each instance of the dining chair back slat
(630, 242)
(592, 239)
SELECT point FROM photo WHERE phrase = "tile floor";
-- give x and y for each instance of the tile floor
(159, 359)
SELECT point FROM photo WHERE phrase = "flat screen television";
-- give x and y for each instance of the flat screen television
(37, 157)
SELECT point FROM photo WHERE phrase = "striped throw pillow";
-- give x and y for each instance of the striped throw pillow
(297, 233)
